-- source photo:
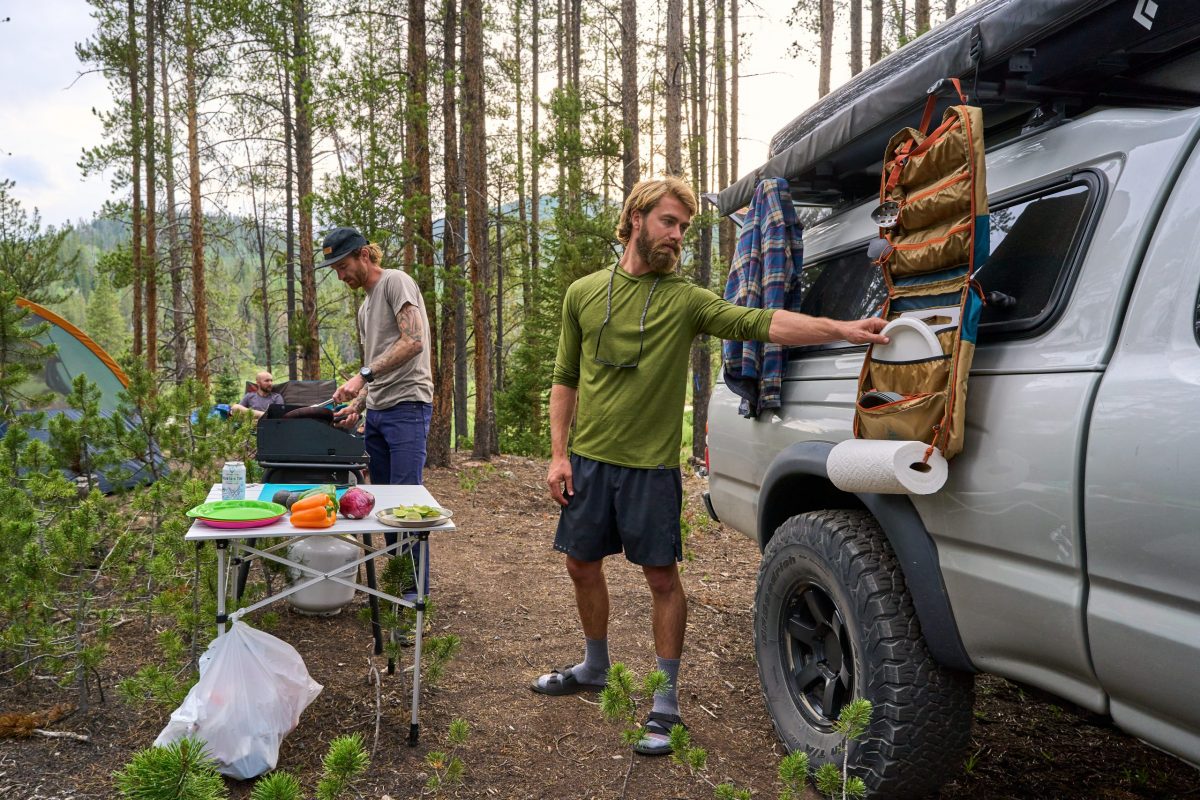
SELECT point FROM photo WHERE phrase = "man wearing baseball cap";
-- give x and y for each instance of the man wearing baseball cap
(395, 385)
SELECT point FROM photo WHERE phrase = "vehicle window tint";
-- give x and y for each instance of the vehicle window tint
(845, 287)
(1032, 241)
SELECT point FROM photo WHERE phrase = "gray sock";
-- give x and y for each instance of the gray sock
(667, 701)
(594, 668)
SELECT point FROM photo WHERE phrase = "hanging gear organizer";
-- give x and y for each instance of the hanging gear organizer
(933, 219)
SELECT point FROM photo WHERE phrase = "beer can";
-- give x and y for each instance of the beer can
(233, 481)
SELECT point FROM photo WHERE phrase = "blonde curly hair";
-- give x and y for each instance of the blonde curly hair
(645, 196)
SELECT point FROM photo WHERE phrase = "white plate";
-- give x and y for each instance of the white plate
(911, 340)
(385, 516)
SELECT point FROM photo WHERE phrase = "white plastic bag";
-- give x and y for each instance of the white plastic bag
(251, 691)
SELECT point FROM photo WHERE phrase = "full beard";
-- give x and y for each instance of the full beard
(660, 258)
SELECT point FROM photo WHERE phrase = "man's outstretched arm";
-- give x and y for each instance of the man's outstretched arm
(790, 328)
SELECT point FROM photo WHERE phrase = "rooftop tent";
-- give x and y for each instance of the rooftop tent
(1026, 62)
(77, 354)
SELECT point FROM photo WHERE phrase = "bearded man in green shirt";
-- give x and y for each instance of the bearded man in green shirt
(621, 375)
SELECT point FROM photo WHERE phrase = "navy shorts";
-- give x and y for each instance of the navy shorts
(617, 509)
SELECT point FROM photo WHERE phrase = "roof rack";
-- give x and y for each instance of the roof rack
(1026, 62)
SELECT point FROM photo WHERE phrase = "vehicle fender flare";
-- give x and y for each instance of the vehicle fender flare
(801, 467)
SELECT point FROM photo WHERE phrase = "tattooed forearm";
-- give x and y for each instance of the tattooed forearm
(410, 343)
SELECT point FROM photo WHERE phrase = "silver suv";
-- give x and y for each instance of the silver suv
(1064, 550)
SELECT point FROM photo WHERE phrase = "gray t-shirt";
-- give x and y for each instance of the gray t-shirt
(257, 402)
(412, 380)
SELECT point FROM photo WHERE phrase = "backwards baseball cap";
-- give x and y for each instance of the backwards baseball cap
(339, 243)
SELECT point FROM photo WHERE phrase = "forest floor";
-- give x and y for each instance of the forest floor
(500, 587)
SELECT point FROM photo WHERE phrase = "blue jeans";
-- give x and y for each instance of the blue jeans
(395, 441)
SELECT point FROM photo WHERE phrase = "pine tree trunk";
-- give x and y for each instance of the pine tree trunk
(498, 358)
(876, 30)
(461, 380)
(631, 166)
(150, 263)
(856, 23)
(951, 8)
(178, 320)
(304, 188)
(289, 203)
(701, 359)
(522, 211)
(675, 74)
(475, 156)
(920, 17)
(438, 446)
(135, 147)
(826, 36)
(735, 47)
(199, 299)
(421, 201)
(723, 144)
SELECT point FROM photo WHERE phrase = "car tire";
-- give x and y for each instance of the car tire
(834, 621)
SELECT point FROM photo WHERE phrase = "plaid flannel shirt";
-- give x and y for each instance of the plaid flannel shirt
(765, 274)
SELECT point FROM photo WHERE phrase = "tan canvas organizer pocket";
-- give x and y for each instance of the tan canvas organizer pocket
(931, 205)
(910, 419)
(908, 377)
(931, 249)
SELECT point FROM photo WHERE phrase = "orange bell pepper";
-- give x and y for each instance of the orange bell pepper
(319, 516)
(313, 501)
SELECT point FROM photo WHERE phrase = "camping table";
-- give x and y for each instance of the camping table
(386, 496)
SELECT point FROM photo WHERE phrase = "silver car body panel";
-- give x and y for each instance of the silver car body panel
(1142, 506)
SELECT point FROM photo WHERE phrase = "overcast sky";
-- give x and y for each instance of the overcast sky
(46, 118)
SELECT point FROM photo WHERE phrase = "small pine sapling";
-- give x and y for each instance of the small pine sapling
(277, 786)
(851, 725)
(448, 768)
(793, 774)
(346, 760)
(180, 771)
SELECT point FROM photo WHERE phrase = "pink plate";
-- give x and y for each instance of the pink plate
(248, 523)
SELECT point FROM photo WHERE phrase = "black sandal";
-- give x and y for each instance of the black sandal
(659, 725)
(562, 682)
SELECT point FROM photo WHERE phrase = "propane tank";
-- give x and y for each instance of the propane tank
(324, 554)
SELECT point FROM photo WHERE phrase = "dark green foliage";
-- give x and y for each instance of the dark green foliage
(179, 771)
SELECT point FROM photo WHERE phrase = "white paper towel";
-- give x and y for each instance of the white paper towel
(885, 467)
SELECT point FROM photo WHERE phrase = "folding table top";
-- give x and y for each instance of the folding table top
(386, 496)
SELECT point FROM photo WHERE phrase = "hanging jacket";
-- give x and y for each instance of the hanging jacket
(765, 274)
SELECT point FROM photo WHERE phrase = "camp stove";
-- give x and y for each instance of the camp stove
(309, 451)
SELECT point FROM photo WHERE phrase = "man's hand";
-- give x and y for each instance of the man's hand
(348, 390)
(559, 480)
(346, 418)
(864, 331)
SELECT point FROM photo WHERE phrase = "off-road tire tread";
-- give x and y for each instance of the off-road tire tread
(922, 713)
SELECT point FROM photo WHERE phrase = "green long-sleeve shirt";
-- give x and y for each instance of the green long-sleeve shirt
(633, 416)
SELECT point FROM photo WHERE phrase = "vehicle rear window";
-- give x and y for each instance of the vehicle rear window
(1035, 241)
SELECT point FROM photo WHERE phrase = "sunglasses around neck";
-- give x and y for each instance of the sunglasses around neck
(641, 324)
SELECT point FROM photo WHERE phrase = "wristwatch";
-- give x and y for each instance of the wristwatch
(367, 375)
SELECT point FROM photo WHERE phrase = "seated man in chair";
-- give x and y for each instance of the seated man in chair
(260, 398)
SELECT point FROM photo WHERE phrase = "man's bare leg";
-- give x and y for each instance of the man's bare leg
(670, 621)
(591, 598)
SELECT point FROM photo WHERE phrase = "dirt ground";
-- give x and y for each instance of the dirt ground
(500, 587)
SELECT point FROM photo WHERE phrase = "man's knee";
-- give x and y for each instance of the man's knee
(663, 580)
(584, 571)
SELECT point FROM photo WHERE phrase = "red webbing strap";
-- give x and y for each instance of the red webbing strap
(927, 117)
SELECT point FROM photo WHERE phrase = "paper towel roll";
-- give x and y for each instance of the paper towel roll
(884, 467)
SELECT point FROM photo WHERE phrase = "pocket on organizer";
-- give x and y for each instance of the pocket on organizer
(947, 153)
(909, 377)
(933, 248)
(910, 419)
(945, 200)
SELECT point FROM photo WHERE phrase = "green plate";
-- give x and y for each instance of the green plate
(237, 510)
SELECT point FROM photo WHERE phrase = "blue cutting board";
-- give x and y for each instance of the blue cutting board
(269, 489)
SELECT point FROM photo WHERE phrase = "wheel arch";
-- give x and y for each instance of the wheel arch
(797, 482)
